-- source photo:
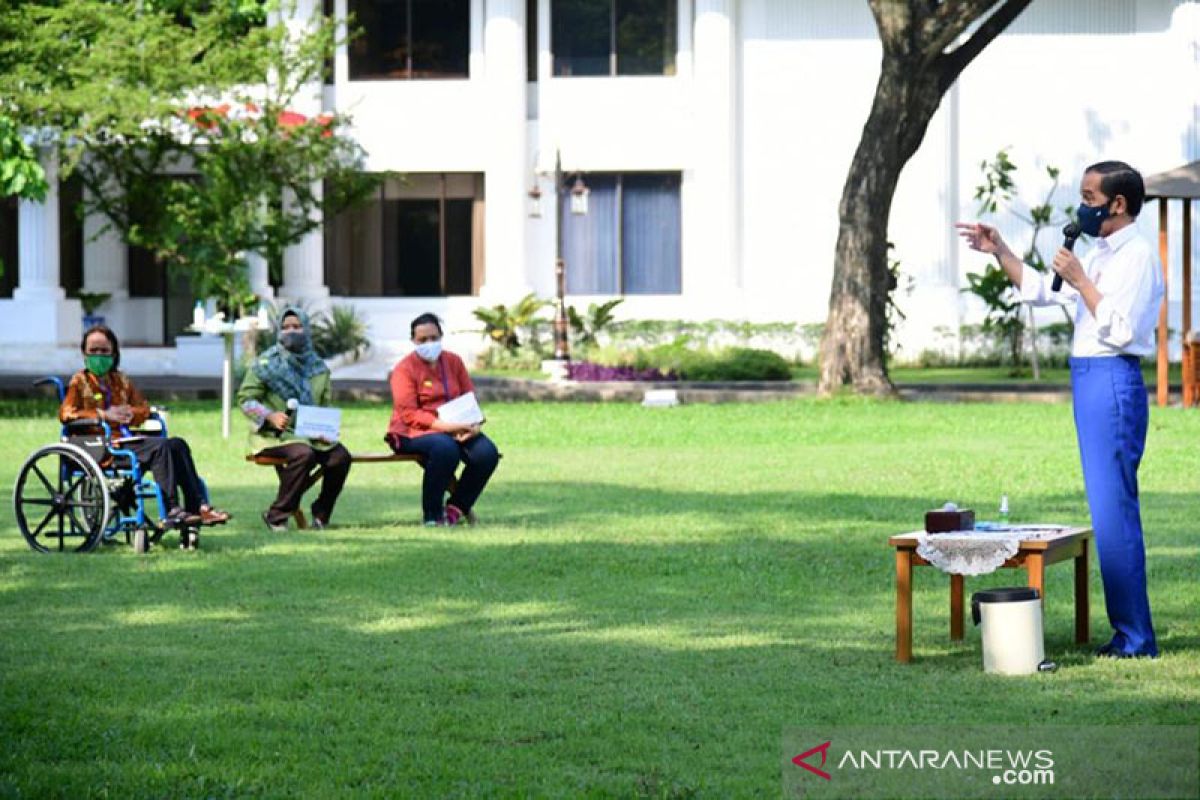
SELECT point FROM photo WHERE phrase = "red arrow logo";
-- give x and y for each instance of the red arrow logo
(823, 749)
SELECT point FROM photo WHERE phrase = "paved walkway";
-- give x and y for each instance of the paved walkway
(170, 387)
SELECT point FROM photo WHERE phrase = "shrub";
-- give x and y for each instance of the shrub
(677, 360)
(736, 364)
(340, 331)
(516, 327)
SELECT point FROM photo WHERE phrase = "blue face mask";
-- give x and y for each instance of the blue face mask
(1091, 218)
(429, 351)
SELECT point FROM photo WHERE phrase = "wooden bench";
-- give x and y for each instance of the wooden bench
(355, 458)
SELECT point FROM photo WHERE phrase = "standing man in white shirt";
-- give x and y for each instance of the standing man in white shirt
(1117, 290)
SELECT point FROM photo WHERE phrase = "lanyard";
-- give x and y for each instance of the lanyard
(445, 382)
(107, 390)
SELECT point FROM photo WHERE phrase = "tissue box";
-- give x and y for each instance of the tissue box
(941, 521)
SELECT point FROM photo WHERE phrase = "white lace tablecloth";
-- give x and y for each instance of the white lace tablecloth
(982, 550)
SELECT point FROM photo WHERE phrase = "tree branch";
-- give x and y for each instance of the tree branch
(951, 64)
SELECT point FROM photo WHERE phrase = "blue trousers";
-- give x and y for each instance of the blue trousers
(442, 456)
(1111, 417)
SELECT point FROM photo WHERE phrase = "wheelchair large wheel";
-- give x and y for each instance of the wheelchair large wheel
(61, 500)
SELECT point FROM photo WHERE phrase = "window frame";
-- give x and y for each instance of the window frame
(406, 41)
(670, 67)
(619, 228)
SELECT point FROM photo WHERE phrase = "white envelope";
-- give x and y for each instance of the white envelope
(318, 422)
(463, 409)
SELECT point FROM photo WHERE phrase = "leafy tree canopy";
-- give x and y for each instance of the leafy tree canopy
(183, 119)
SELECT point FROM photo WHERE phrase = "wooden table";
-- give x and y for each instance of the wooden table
(1034, 555)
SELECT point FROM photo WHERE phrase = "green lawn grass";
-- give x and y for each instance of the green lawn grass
(654, 596)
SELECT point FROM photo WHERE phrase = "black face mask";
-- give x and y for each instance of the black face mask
(294, 341)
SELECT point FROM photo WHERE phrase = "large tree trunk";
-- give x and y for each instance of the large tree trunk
(920, 62)
(852, 345)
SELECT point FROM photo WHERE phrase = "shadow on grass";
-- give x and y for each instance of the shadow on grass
(591, 638)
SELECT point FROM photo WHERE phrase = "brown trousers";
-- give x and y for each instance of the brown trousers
(294, 479)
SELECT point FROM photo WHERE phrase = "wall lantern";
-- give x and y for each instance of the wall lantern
(579, 196)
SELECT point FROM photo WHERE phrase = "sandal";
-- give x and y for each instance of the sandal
(213, 516)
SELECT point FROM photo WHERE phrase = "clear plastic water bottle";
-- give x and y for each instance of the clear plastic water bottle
(1003, 509)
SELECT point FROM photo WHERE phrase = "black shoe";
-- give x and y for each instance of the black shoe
(1111, 650)
(319, 521)
(275, 527)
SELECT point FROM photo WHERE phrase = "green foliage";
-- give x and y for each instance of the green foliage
(1003, 318)
(893, 314)
(340, 332)
(506, 326)
(736, 364)
(20, 173)
(500, 359)
(596, 321)
(1005, 313)
(147, 90)
(687, 360)
(92, 300)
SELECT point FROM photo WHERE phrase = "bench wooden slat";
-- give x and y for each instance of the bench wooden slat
(355, 458)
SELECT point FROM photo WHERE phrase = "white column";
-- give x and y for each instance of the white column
(37, 244)
(505, 177)
(260, 276)
(304, 262)
(39, 312)
(304, 269)
(715, 258)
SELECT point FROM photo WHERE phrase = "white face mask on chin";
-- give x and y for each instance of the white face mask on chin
(429, 351)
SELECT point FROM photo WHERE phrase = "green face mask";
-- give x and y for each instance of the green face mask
(98, 365)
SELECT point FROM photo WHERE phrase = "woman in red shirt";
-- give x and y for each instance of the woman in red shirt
(422, 382)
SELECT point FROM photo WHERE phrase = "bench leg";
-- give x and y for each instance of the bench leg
(904, 605)
(1082, 610)
(956, 608)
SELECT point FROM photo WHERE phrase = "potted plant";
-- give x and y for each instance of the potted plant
(90, 302)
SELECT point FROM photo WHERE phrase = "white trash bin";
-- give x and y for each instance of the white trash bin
(1010, 621)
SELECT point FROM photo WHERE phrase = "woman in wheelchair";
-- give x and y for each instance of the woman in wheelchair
(102, 391)
(284, 377)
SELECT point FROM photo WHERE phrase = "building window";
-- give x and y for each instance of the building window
(629, 241)
(613, 37)
(419, 238)
(408, 39)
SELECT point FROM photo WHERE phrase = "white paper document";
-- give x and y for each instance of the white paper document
(318, 422)
(463, 409)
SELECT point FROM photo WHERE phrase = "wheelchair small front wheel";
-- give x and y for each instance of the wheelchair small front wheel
(61, 500)
(141, 542)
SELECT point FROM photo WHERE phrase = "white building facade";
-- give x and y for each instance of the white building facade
(714, 137)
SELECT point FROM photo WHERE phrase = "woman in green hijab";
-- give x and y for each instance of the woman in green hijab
(285, 376)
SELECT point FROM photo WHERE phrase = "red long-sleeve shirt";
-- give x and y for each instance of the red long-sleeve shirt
(419, 388)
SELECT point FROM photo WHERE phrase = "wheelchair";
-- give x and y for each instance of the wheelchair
(87, 489)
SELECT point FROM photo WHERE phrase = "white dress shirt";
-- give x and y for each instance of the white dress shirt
(1125, 270)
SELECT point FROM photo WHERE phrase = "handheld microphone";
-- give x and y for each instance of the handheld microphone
(1071, 232)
